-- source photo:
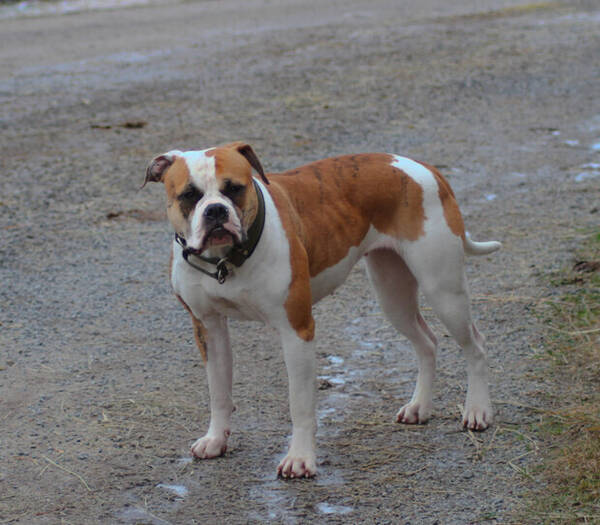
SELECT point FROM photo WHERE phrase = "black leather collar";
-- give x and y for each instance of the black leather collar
(238, 254)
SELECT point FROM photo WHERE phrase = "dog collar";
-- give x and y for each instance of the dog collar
(238, 254)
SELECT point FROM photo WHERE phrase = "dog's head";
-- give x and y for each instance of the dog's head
(211, 198)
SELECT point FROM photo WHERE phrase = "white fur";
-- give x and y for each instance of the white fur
(202, 168)
(480, 248)
(431, 201)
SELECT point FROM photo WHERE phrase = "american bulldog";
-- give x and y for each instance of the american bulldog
(267, 248)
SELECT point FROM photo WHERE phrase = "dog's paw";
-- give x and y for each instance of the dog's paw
(478, 418)
(210, 446)
(297, 466)
(413, 413)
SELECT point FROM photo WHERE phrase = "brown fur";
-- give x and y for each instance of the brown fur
(247, 152)
(338, 200)
(298, 304)
(176, 178)
(199, 330)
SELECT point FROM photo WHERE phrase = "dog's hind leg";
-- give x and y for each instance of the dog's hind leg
(438, 265)
(397, 291)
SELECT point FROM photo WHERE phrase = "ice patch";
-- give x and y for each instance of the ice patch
(327, 411)
(38, 8)
(586, 175)
(335, 360)
(328, 508)
(595, 147)
(179, 490)
(490, 197)
(334, 380)
(572, 142)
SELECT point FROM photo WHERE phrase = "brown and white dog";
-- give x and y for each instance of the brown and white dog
(268, 249)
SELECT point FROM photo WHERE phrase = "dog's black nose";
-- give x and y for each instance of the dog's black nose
(216, 213)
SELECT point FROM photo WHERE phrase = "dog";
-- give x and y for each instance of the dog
(267, 248)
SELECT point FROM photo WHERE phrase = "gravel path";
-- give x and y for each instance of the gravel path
(101, 388)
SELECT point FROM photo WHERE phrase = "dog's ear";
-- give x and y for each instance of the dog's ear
(247, 151)
(155, 171)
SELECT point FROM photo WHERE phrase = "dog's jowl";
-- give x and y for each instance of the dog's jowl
(267, 248)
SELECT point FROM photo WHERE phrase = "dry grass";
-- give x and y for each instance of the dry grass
(570, 475)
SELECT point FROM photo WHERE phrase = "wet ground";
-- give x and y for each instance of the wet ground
(101, 387)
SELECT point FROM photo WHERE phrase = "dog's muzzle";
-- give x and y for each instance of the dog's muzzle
(215, 214)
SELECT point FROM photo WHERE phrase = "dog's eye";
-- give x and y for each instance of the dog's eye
(232, 190)
(191, 194)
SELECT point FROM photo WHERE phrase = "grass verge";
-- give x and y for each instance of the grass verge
(570, 473)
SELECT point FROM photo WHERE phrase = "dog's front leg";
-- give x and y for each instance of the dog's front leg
(299, 356)
(219, 367)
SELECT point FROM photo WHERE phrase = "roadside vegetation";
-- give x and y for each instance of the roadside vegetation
(569, 433)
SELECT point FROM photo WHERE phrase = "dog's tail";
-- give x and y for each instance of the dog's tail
(479, 248)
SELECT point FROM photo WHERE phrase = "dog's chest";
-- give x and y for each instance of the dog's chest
(205, 298)
(245, 295)
(243, 305)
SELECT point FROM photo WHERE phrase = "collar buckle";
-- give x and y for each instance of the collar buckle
(222, 271)
(180, 240)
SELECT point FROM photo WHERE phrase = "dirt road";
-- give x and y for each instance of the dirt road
(101, 388)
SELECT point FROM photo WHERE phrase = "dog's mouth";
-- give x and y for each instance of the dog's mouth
(218, 236)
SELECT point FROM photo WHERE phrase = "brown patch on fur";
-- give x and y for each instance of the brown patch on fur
(340, 198)
(199, 330)
(200, 337)
(246, 151)
(229, 163)
(298, 304)
(176, 178)
(451, 210)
